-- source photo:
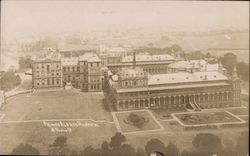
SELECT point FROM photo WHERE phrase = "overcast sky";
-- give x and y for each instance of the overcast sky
(36, 17)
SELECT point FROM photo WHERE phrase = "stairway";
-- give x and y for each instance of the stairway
(194, 105)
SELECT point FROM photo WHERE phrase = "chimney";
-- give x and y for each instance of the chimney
(134, 60)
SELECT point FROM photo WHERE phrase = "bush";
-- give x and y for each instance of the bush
(137, 120)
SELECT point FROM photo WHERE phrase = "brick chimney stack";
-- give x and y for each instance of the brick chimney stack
(134, 60)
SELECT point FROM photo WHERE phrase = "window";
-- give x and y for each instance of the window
(126, 83)
(91, 64)
(78, 68)
(64, 69)
(97, 65)
(73, 68)
(38, 83)
(135, 83)
(47, 81)
(47, 68)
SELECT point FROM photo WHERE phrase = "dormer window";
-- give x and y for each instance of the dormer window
(172, 78)
(201, 77)
(215, 76)
(187, 77)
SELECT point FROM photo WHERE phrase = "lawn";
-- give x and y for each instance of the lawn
(206, 118)
(58, 105)
(238, 111)
(55, 105)
(151, 124)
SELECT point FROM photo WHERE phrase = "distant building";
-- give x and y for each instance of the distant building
(82, 72)
(195, 65)
(153, 64)
(134, 89)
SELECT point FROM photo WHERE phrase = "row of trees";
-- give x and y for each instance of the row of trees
(205, 144)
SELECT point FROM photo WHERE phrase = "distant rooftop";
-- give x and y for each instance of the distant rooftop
(198, 64)
(130, 72)
(90, 57)
(148, 58)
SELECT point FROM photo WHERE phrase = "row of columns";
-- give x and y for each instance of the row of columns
(204, 100)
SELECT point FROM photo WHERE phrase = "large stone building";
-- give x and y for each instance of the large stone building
(82, 72)
(153, 64)
(47, 72)
(133, 89)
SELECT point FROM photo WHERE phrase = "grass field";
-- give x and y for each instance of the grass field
(151, 124)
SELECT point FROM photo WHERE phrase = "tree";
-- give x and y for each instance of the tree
(125, 150)
(155, 145)
(208, 55)
(229, 62)
(207, 144)
(25, 62)
(140, 152)
(188, 153)
(105, 149)
(25, 149)
(60, 141)
(9, 80)
(172, 150)
(176, 48)
(89, 151)
(242, 144)
(117, 140)
(59, 146)
(243, 70)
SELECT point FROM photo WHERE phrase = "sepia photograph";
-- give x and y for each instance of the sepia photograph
(124, 78)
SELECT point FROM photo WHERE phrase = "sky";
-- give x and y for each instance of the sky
(24, 18)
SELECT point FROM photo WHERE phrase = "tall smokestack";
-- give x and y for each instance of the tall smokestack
(134, 60)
